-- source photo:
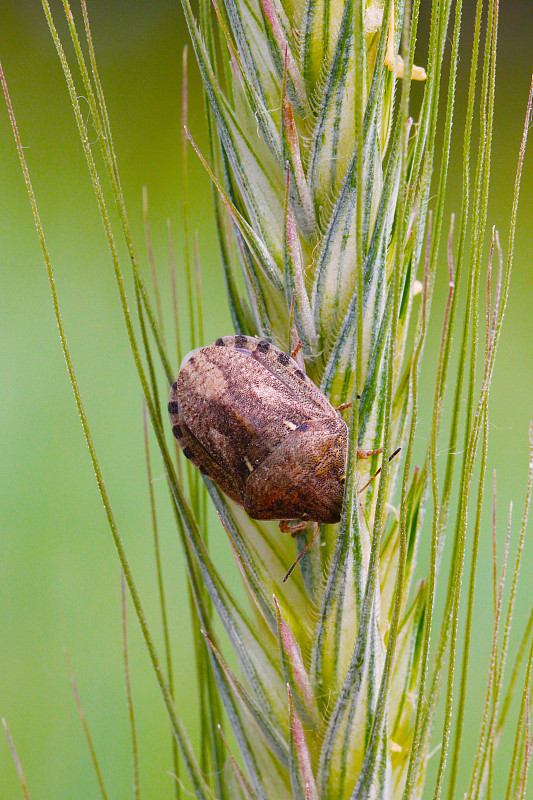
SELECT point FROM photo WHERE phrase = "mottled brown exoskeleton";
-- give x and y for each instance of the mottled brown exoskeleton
(250, 419)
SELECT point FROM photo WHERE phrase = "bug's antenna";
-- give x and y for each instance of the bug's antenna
(304, 551)
(375, 475)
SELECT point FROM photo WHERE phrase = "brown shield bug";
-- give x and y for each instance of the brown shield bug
(250, 419)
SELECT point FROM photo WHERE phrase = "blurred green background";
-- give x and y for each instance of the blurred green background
(59, 574)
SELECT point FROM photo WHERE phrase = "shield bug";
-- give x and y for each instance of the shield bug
(250, 419)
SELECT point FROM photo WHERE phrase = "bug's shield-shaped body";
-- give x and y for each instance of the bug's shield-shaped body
(248, 417)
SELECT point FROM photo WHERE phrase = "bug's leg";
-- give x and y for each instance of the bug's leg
(292, 526)
(368, 453)
(296, 342)
(296, 349)
(343, 406)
